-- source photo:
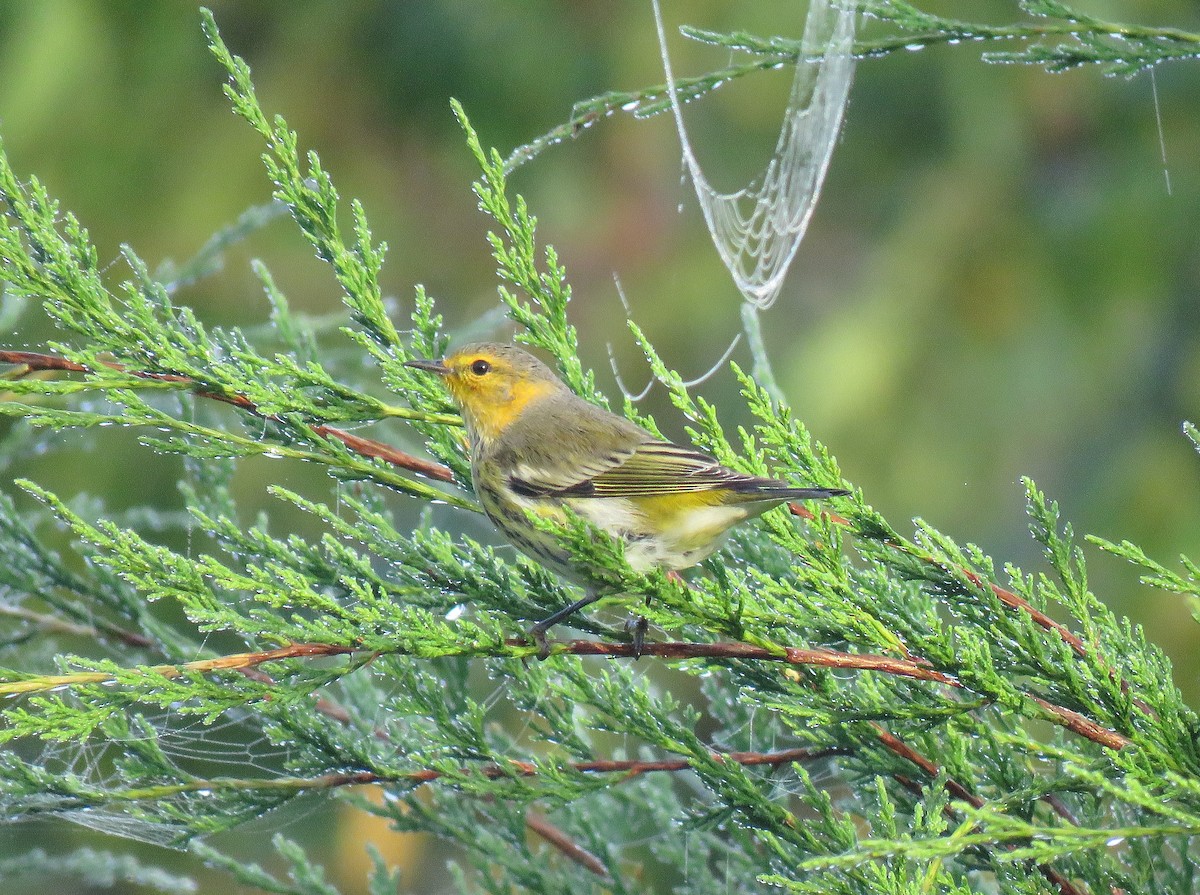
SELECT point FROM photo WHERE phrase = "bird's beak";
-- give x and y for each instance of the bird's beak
(430, 366)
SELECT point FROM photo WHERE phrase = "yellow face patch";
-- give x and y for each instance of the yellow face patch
(490, 392)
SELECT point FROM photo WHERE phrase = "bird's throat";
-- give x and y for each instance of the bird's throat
(488, 419)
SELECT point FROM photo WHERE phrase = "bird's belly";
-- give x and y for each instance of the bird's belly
(666, 532)
(658, 532)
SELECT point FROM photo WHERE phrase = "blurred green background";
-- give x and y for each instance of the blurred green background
(998, 281)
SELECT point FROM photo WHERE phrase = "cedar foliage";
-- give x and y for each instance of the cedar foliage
(877, 711)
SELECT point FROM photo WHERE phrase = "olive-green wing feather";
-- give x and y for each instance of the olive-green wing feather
(655, 468)
(659, 467)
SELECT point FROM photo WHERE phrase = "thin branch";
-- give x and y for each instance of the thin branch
(897, 746)
(519, 648)
(98, 629)
(565, 844)
(628, 770)
(1064, 717)
(50, 622)
(773, 52)
(234, 662)
(32, 361)
(1007, 597)
(1071, 720)
(956, 789)
(789, 51)
(822, 658)
(388, 454)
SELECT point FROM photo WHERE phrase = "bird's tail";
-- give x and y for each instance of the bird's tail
(808, 493)
(772, 489)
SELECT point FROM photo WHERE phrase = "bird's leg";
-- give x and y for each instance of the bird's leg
(538, 632)
(636, 626)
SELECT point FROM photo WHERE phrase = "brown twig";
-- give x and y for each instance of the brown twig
(902, 749)
(388, 454)
(737, 650)
(362, 446)
(33, 360)
(1071, 720)
(235, 662)
(821, 658)
(565, 844)
(1005, 596)
(632, 768)
(627, 769)
(897, 746)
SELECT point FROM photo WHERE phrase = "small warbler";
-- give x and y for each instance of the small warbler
(536, 447)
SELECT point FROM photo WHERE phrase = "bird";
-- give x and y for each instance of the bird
(536, 448)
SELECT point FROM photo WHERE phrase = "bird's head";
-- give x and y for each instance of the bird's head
(492, 384)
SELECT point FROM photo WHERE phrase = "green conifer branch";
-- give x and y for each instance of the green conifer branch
(1055, 37)
(98, 869)
(924, 669)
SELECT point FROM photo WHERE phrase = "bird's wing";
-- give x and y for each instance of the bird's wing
(644, 470)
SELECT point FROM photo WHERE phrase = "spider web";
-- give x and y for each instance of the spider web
(233, 746)
(758, 229)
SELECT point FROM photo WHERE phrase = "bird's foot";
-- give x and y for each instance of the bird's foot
(538, 632)
(636, 626)
(538, 635)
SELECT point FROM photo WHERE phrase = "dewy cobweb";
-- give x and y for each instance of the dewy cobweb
(758, 229)
(96, 779)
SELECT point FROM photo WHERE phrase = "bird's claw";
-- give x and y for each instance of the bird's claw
(538, 635)
(636, 626)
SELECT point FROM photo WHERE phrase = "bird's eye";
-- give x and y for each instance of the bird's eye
(480, 367)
